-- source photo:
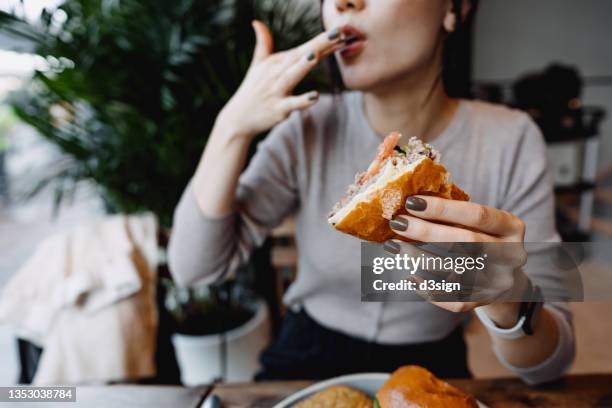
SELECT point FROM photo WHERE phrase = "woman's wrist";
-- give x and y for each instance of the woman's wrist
(503, 314)
(228, 129)
(216, 177)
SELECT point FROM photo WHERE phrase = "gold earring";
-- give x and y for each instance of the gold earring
(450, 23)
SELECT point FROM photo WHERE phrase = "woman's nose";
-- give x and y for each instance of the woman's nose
(344, 5)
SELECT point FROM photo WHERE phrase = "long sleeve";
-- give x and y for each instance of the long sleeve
(530, 197)
(202, 249)
(560, 361)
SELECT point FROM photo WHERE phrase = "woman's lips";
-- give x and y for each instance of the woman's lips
(353, 49)
(355, 42)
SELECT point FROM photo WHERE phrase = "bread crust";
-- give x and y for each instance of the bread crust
(369, 219)
(413, 386)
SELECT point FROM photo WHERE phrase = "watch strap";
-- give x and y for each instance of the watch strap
(512, 333)
(530, 308)
(527, 316)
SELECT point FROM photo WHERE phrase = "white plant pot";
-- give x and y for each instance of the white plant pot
(200, 357)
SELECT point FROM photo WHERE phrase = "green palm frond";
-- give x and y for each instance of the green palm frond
(134, 86)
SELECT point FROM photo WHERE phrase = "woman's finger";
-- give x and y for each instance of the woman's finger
(294, 71)
(299, 102)
(292, 76)
(264, 45)
(473, 215)
(321, 45)
(424, 231)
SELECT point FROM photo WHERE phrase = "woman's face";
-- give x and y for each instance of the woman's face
(395, 38)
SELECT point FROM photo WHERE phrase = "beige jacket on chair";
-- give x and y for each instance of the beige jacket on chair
(87, 297)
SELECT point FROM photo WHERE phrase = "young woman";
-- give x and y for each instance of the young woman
(392, 66)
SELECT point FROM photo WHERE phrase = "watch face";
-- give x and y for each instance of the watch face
(539, 299)
(531, 310)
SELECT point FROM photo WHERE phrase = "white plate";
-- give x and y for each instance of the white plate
(368, 383)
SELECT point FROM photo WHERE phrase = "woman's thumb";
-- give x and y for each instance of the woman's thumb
(264, 43)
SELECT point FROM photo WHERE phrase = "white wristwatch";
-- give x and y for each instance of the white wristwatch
(528, 315)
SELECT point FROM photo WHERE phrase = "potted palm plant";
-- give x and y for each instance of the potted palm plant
(221, 330)
(130, 94)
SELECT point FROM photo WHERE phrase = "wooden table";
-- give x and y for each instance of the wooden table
(574, 391)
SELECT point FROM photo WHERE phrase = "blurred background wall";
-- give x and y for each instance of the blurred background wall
(514, 37)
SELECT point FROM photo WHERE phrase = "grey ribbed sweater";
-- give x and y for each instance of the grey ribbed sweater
(304, 166)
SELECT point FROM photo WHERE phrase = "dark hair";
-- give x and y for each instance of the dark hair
(457, 55)
(456, 59)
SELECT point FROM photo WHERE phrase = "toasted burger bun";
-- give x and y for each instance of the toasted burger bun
(367, 214)
(413, 386)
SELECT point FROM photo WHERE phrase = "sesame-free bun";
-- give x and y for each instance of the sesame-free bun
(414, 386)
(367, 214)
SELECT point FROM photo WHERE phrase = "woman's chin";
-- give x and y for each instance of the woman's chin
(363, 75)
(358, 82)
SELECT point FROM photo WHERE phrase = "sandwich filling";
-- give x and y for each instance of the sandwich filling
(391, 162)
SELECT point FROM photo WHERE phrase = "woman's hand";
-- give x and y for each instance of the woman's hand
(263, 99)
(265, 96)
(437, 220)
(434, 219)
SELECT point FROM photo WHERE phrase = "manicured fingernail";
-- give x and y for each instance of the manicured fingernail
(416, 204)
(392, 247)
(399, 224)
(313, 96)
(311, 56)
(333, 34)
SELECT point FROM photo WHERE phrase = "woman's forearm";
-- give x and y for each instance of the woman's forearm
(527, 351)
(200, 247)
(215, 180)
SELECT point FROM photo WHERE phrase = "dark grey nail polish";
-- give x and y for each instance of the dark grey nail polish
(392, 247)
(311, 56)
(333, 34)
(399, 224)
(313, 96)
(416, 204)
